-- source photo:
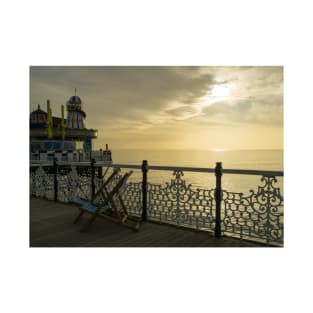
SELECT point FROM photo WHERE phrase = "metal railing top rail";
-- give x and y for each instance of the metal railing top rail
(203, 170)
(168, 168)
(253, 172)
(134, 166)
(183, 168)
(77, 163)
(163, 168)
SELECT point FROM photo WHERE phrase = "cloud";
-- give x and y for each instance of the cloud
(184, 112)
(267, 110)
(132, 103)
(120, 92)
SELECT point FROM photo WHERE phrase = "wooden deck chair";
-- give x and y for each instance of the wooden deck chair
(109, 205)
(79, 196)
(99, 195)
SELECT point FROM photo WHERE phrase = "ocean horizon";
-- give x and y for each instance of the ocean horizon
(261, 159)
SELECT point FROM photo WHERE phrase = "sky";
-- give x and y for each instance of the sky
(190, 108)
(165, 32)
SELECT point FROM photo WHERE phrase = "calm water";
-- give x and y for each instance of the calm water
(238, 159)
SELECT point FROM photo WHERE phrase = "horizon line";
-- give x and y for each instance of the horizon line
(206, 150)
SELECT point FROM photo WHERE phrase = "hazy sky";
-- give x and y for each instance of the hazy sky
(171, 107)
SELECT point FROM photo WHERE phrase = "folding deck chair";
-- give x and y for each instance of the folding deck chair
(105, 205)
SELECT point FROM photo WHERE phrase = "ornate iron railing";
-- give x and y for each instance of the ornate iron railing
(65, 182)
(178, 203)
(257, 215)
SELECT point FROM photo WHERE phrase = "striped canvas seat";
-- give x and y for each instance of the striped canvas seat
(93, 208)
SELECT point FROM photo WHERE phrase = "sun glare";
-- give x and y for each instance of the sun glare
(219, 92)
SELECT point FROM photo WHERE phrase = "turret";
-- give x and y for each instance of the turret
(75, 114)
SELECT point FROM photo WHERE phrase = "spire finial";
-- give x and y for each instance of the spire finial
(75, 91)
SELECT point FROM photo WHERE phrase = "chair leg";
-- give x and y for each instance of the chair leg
(88, 223)
(78, 216)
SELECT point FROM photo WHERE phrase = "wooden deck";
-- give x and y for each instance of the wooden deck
(51, 225)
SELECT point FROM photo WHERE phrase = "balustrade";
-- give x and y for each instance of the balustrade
(254, 216)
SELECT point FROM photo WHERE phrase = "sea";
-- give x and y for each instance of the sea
(231, 159)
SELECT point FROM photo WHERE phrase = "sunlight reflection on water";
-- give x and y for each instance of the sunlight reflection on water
(245, 159)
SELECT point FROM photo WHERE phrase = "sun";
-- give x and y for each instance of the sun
(220, 91)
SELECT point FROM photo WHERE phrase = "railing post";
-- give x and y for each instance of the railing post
(93, 170)
(100, 172)
(218, 198)
(144, 169)
(55, 178)
(100, 178)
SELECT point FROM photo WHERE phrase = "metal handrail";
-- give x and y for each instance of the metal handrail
(75, 163)
(138, 167)
(253, 172)
(213, 197)
(203, 170)
(165, 168)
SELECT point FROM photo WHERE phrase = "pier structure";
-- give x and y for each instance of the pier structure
(51, 225)
(257, 216)
(67, 140)
(75, 114)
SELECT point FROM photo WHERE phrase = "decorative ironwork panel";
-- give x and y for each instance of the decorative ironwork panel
(257, 215)
(62, 183)
(32, 180)
(177, 203)
(42, 182)
(132, 198)
(131, 194)
(83, 171)
(71, 183)
(113, 181)
(98, 182)
(79, 183)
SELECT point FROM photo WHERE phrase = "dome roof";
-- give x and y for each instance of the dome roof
(74, 100)
(38, 111)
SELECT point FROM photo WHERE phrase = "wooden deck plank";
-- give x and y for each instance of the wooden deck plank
(51, 225)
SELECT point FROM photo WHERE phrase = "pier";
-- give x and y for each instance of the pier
(51, 225)
(209, 216)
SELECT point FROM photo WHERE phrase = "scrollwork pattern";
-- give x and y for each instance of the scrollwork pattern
(42, 182)
(177, 203)
(132, 197)
(256, 215)
(71, 183)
